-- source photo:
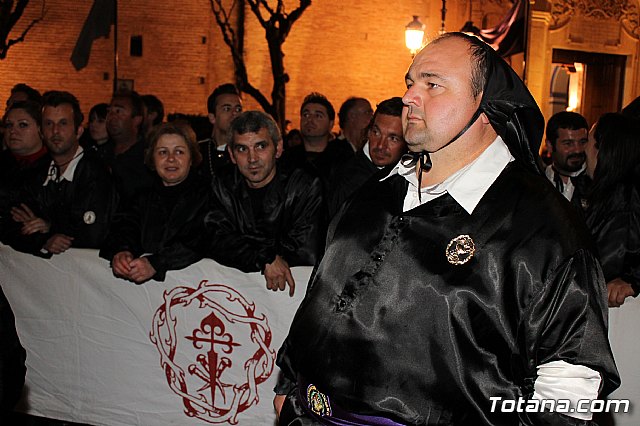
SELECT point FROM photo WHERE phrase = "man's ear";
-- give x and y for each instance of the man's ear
(279, 148)
(137, 120)
(484, 118)
(549, 145)
(212, 119)
(79, 132)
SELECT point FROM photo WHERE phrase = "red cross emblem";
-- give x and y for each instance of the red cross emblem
(218, 383)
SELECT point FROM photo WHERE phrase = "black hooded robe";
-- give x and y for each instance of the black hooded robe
(390, 328)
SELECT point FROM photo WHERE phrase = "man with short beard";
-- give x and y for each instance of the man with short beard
(567, 134)
(71, 205)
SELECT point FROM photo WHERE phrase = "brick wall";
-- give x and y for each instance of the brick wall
(338, 48)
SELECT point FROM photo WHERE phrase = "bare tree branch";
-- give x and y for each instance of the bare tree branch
(230, 39)
(277, 28)
(9, 17)
(255, 8)
(296, 13)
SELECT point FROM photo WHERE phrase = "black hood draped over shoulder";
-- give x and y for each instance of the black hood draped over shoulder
(510, 108)
(507, 103)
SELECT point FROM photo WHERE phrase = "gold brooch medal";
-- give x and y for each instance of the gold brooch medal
(460, 250)
(318, 402)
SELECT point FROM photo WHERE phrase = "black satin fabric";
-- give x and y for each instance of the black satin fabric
(291, 225)
(166, 223)
(390, 328)
(347, 178)
(615, 226)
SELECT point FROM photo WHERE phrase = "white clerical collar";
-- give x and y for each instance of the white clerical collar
(467, 186)
(52, 175)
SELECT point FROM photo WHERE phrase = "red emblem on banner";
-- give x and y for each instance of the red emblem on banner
(218, 383)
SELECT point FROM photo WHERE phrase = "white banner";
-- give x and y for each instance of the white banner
(198, 348)
(104, 351)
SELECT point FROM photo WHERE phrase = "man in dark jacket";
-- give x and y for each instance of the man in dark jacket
(71, 205)
(262, 218)
(126, 146)
(319, 150)
(566, 137)
(223, 105)
(384, 146)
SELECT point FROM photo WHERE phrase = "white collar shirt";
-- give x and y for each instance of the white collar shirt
(52, 175)
(467, 186)
(567, 189)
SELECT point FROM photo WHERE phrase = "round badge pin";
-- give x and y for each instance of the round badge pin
(460, 250)
(89, 217)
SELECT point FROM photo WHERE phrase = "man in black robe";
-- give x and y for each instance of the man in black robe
(444, 290)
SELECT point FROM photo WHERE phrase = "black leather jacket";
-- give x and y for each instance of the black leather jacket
(166, 224)
(291, 224)
(81, 209)
(616, 230)
(13, 177)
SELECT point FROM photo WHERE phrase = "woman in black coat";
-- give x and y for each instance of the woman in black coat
(26, 158)
(163, 229)
(613, 213)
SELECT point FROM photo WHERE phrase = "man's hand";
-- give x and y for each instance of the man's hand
(278, 275)
(58, 243)
(278, 402)
(22, 213)
(141, 270)
(35, 225)
(30, 222)
(120, 264)
(618, 290)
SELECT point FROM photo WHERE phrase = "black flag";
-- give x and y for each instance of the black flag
(98, 24)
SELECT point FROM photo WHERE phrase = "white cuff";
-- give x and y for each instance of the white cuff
(561, 380)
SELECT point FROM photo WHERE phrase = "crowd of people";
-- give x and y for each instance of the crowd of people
(412, 208)
(152, 199)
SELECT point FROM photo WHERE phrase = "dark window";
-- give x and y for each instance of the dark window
(135, 48)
